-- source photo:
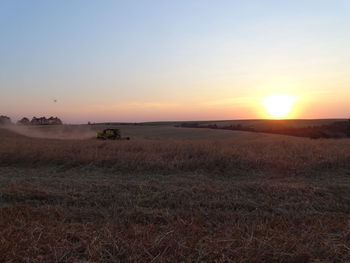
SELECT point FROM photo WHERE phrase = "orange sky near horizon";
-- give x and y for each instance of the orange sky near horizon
(314, 106)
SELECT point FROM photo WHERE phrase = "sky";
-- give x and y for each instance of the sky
(85, 60)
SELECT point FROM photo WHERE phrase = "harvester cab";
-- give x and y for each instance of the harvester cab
(109, 134)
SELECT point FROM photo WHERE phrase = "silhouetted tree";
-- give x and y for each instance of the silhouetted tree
(5, 120)
(23, 121)
(45, 121)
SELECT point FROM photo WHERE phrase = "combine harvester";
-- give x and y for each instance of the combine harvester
(111, 134)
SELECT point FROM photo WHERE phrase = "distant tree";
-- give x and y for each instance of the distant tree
(54, 121)
(5, 120)
(39, 121)
(23, 121)
(45, 121)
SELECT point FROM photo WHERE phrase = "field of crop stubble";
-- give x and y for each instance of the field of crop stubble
(172, 195)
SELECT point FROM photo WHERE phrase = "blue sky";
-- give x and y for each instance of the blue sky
(167, 60)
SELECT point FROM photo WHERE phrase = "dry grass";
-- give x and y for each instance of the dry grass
(267, 199)
(224, 156)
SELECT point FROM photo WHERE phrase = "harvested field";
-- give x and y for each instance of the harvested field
(174, 195)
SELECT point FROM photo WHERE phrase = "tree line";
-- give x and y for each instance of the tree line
(5, 120)
(339, 129)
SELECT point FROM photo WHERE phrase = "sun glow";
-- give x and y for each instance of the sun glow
(279, 106)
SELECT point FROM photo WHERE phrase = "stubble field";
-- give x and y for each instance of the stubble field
(172, 195)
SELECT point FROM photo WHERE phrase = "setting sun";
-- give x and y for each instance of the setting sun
(279, 106)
